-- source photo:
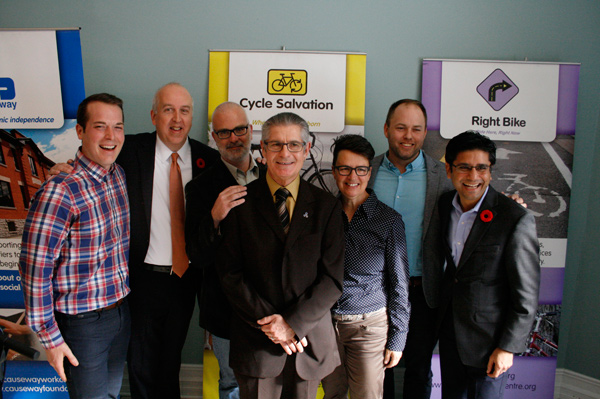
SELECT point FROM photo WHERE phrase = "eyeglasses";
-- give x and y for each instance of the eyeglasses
(464, 168)
(347, 170)
(238, 131)
(292, 146)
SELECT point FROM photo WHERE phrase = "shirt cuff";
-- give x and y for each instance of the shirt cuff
(50, 337)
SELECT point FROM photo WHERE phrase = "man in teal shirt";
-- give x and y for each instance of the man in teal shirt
(410, 181)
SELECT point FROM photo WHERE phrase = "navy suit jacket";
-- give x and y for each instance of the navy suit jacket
(298, 276)
(494, 289)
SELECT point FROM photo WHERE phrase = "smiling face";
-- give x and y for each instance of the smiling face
(235, 149)
(284, 166)
(103, 135)
(172, 115)
(352, 187)
(406, 133)
(471, 185)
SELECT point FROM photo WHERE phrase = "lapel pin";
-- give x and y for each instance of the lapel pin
(486, 215)
(305, 215)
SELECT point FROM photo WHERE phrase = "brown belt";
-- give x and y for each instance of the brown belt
(109, 307)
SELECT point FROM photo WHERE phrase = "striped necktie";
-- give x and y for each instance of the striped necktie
(282, 211)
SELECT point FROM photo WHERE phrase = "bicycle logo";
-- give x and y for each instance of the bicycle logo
(540, 200)
(287, 82)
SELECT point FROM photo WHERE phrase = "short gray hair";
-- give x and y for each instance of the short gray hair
(285, 119)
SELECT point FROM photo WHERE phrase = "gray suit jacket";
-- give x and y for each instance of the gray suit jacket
(432, 252)
(494, 289)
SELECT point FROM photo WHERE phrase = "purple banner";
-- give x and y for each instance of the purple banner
(529, 377)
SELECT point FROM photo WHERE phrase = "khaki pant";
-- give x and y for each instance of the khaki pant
(361, 342)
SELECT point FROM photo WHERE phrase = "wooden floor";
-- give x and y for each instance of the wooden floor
(191, 382)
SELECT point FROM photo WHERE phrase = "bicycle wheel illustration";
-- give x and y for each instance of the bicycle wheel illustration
(324, 179)
(278, 85)
(541, 201)
(295, 85)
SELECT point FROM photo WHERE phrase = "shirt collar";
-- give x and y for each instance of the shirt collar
(417, 164)
(96, 171)
(293, 187)
(369, 207)
(164, 153)
(456, 203)
(253, 169)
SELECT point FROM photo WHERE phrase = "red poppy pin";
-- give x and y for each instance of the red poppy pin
(200, 163)
(486, 216)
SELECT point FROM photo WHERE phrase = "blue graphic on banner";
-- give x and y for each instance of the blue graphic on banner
(70, 66)
(10, 289)
(7, 89)
(25, 379)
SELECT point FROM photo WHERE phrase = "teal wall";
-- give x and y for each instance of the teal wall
(131, 47)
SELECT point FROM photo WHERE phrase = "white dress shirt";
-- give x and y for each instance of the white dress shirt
(159, 250)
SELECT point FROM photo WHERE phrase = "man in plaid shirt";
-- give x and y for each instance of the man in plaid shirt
(74, 258)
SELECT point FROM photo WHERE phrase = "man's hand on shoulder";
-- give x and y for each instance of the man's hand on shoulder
(500, 361)
(56, 359)
(280, 332)
(226, 201)
(517, 199)
(61, 167)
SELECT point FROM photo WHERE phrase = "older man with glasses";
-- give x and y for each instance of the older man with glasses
(281, 266)
(209, 198)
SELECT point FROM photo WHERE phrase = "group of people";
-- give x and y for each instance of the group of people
(294, 285)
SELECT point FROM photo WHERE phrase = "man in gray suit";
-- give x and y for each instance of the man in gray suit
(491, 283)
(411, 182)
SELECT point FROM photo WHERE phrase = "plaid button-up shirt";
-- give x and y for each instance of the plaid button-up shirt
(75, 246)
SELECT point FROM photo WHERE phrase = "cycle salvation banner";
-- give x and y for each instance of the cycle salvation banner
(529, 109)
(29, 146)
(327, 89)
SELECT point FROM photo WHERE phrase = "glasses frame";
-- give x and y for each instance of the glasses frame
(284, 145)
(480, 169)
(355, 170)
(229, 132)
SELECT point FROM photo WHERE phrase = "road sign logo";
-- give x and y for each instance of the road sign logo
(497, 89)
(287, 81)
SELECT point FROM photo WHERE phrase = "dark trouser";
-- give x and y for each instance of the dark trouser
(99, 342)
(161, 308)
(287, 385)
(458, 380)
(418, 351)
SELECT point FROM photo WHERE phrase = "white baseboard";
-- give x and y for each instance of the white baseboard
(190, 381)
(572, 385)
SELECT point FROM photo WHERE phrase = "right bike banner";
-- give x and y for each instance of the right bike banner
(529, 110)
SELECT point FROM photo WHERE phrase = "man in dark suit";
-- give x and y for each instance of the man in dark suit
(491, 282)
(161, 301)
(209, 198)
(281, 266)
(410, 181)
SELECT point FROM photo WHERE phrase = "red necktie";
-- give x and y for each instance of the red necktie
(180, 259)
